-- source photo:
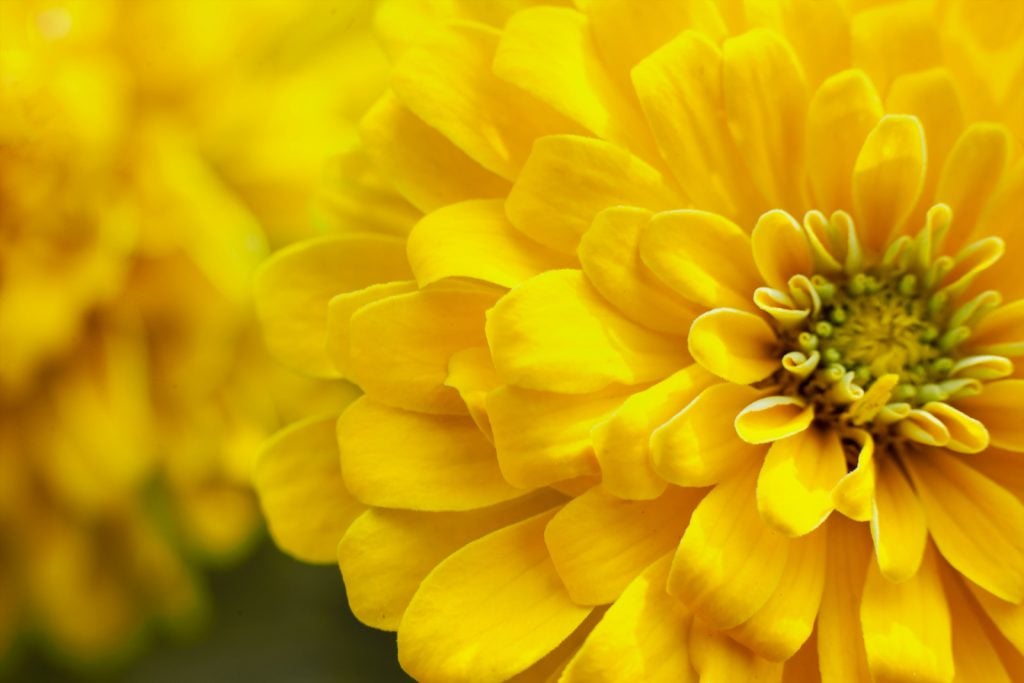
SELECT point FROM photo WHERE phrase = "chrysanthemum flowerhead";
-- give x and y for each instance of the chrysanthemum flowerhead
(133, 383)
(699, 364)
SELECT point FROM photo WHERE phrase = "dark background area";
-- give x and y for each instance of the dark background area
(272, 619)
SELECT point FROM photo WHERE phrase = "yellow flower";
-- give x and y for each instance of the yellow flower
(148, 153)
(698, 365)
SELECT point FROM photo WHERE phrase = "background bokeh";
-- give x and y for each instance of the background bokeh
(271, 619)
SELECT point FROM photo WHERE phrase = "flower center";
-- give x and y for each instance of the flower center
(878, 345)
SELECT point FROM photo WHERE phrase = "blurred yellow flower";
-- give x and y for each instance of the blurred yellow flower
(697, 365)
(149, 153)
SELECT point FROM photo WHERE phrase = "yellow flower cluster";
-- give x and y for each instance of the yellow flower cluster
(697, 360)
(149, 153)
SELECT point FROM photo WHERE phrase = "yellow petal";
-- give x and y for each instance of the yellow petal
(974, 653)
(473, 239)
(906, 626)
(970, 175)
(735, 345)
(471, 373)
(400, 346)
(765, 102)
(640, 638)
(729, 562)
(780, 249)
(386, 554)
(976, 524)
(702, 256)
(599, 543)
(568, 180)
(555, 333)
(897, 524)
(840, 642)
(550, 53)
(1001, 332)
(998, 408)
(544, 438)
(841, 114)
(717, 657)
(610, 257)
(425, 167)
(416, 461)
(794, 488)
(932, 97)
(339, 318)
(1002, 467)
(773, 418)
(298, 479)
(1007, 616)
(854, 493)
(623, 441)
(785, 622)
(293, 287)
(888, 178)
(699, 446)
(491, 121)
(1004, 211)
(966, 435)
(500, 589)
(680, 90)
(889, 40)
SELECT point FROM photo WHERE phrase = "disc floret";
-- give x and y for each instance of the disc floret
(880, 344)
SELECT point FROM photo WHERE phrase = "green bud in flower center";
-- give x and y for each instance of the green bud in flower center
(883, 345)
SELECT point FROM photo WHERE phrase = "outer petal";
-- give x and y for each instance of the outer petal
(897, 524)
(716, 657)
(974, 652)
(729, 562)
(416, 461)
(555, 333)
(498, 590)
(794, 489)
(385, 554)
(735, 345)
(704, 257)
(298, 479)
(550, 53)
(426, 168)
(599, 543)
(610, 257)
(977, 525)
(841, 114)
(568, 180)
(999, 407)
(784, 624)
(641, 638)
(906, 626)
(400, 347)
(622, 442)
(766, 101)
(840, 643)
(293, 287)
(888, 178)
(473, 239)
(543, 438)
(699, 446)
(890, 40)
(970, 175)
(680, 90)
(340, 310)
(446, 80)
